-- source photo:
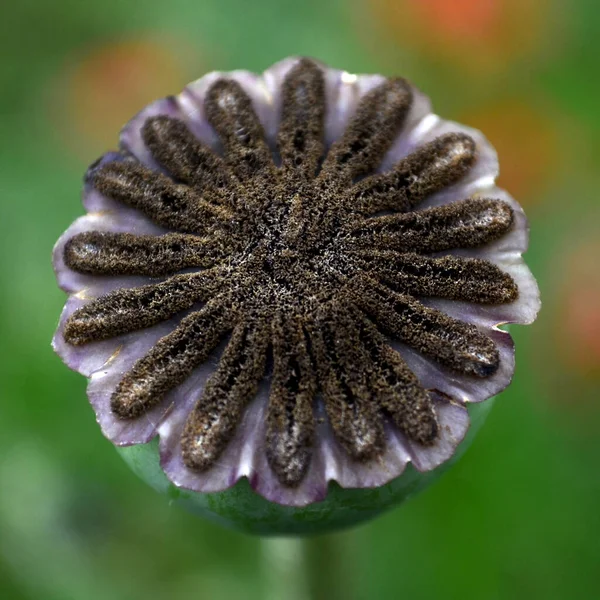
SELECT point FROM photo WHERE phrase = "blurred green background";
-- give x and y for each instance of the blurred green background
(519, 516)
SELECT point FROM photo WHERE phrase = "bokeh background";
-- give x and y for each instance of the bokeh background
(519, 516)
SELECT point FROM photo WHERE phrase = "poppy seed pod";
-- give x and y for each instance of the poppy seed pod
(287, 291)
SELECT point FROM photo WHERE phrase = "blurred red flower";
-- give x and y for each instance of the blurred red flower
(477, 34)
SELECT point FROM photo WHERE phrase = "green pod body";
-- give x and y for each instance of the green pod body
(241, 508)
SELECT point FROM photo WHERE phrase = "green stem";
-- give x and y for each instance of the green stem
(312, 568)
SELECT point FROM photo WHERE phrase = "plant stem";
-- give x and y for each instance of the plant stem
(312, 568)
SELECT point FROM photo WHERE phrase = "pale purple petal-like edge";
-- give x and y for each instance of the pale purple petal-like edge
(244, 456)
(104, 363)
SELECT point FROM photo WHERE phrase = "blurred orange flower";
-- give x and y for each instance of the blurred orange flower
(114, 81)
(477, 34)
(579, 310)
(527, 142)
